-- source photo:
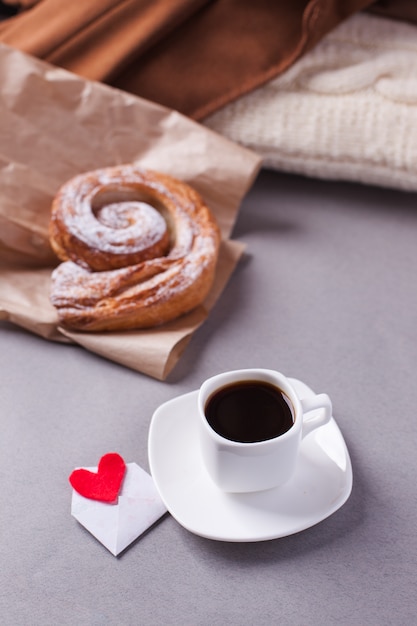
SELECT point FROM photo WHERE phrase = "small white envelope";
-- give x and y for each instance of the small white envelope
(117, 525)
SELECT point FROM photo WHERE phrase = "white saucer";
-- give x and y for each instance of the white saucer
(321, 485)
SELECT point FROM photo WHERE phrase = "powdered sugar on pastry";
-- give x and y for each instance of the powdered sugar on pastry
(139, 249)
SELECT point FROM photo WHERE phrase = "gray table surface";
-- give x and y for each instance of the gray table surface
(326, 293)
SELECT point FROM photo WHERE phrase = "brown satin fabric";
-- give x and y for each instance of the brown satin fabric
(191, 55)
(405, 10)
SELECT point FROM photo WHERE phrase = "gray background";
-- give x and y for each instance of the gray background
(326, 293)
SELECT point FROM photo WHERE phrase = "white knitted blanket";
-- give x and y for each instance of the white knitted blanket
(346, 110)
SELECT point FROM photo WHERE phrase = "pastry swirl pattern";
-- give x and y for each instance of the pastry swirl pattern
(139, 248)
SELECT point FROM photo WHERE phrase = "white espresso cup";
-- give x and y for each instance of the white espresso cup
(251, 423)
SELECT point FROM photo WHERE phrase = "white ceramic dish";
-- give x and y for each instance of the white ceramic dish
(322, 482)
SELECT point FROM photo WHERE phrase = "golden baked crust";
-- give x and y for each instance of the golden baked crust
(139, 248)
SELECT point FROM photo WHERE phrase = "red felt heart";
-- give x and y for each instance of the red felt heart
(104, 484)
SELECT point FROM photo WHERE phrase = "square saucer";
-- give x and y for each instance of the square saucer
(320, 486)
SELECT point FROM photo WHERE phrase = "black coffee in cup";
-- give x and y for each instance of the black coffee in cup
(249, 411)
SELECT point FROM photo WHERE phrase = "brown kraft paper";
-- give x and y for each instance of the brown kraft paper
(54, 125)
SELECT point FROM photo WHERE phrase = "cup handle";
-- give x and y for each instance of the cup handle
(320, 401)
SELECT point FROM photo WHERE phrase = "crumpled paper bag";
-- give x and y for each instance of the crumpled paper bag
(54, 125)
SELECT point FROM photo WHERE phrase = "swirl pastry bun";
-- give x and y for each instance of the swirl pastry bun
(139, 248)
